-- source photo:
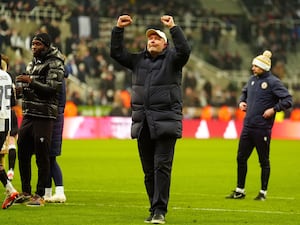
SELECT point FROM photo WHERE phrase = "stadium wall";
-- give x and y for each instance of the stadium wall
(119, 127)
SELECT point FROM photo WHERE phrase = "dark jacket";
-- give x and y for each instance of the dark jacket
(156, 84)
(40, 97)
(263, 92)
(57, 134)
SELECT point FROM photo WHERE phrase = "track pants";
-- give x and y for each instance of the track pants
(260, 139)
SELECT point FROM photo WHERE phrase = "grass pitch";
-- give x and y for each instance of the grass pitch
(104, 185)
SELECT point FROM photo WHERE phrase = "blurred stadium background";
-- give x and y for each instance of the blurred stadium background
(225, 36)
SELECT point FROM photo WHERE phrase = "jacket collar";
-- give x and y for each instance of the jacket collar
(148, 55)
(265, 74)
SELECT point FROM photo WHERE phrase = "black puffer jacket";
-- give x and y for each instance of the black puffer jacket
(40, 97)
(156, 84)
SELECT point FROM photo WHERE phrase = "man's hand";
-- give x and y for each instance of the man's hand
(243, 106)
(23, 79)
(269, 113)
(167, 21)
(124, 21)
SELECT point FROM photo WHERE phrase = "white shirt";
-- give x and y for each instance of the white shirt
(5, 97)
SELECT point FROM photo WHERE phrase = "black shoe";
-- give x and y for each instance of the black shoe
(236, 195)
(158, 219)
(260, 197)
(22, 198)
(148, 219)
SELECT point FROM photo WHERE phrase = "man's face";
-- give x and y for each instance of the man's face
(155, 44)
(37, 47)
(257, 70)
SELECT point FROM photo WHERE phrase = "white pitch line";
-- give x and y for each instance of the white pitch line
(179, 194)
(188, 208)
(238, 210)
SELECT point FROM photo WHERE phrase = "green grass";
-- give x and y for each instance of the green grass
(104, 185)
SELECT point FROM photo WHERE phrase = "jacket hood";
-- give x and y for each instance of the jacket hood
(50, 53)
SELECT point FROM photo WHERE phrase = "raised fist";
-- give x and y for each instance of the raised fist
(124, 21)
(167, 21)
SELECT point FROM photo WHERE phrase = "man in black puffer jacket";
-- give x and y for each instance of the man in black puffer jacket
(156, 102)
(39, 89)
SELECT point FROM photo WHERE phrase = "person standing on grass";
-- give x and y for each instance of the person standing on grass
(13, 133)
(55, 150)
(6, 100)
(156, 103)
(263, 96)
(12, 148)
(39, 91)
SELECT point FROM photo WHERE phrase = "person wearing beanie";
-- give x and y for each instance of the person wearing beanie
(56, 142)
(39, 88)
(262, 96)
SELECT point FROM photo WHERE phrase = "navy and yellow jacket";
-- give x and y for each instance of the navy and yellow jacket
(263, 92)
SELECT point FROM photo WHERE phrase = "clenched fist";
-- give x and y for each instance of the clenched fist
(167, 21)
(124, 21)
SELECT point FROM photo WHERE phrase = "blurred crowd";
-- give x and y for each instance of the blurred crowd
(87, 55)
(274, 25)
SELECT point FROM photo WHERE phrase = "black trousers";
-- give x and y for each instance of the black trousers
(34, 138)
(260, 139)
(156, 158)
